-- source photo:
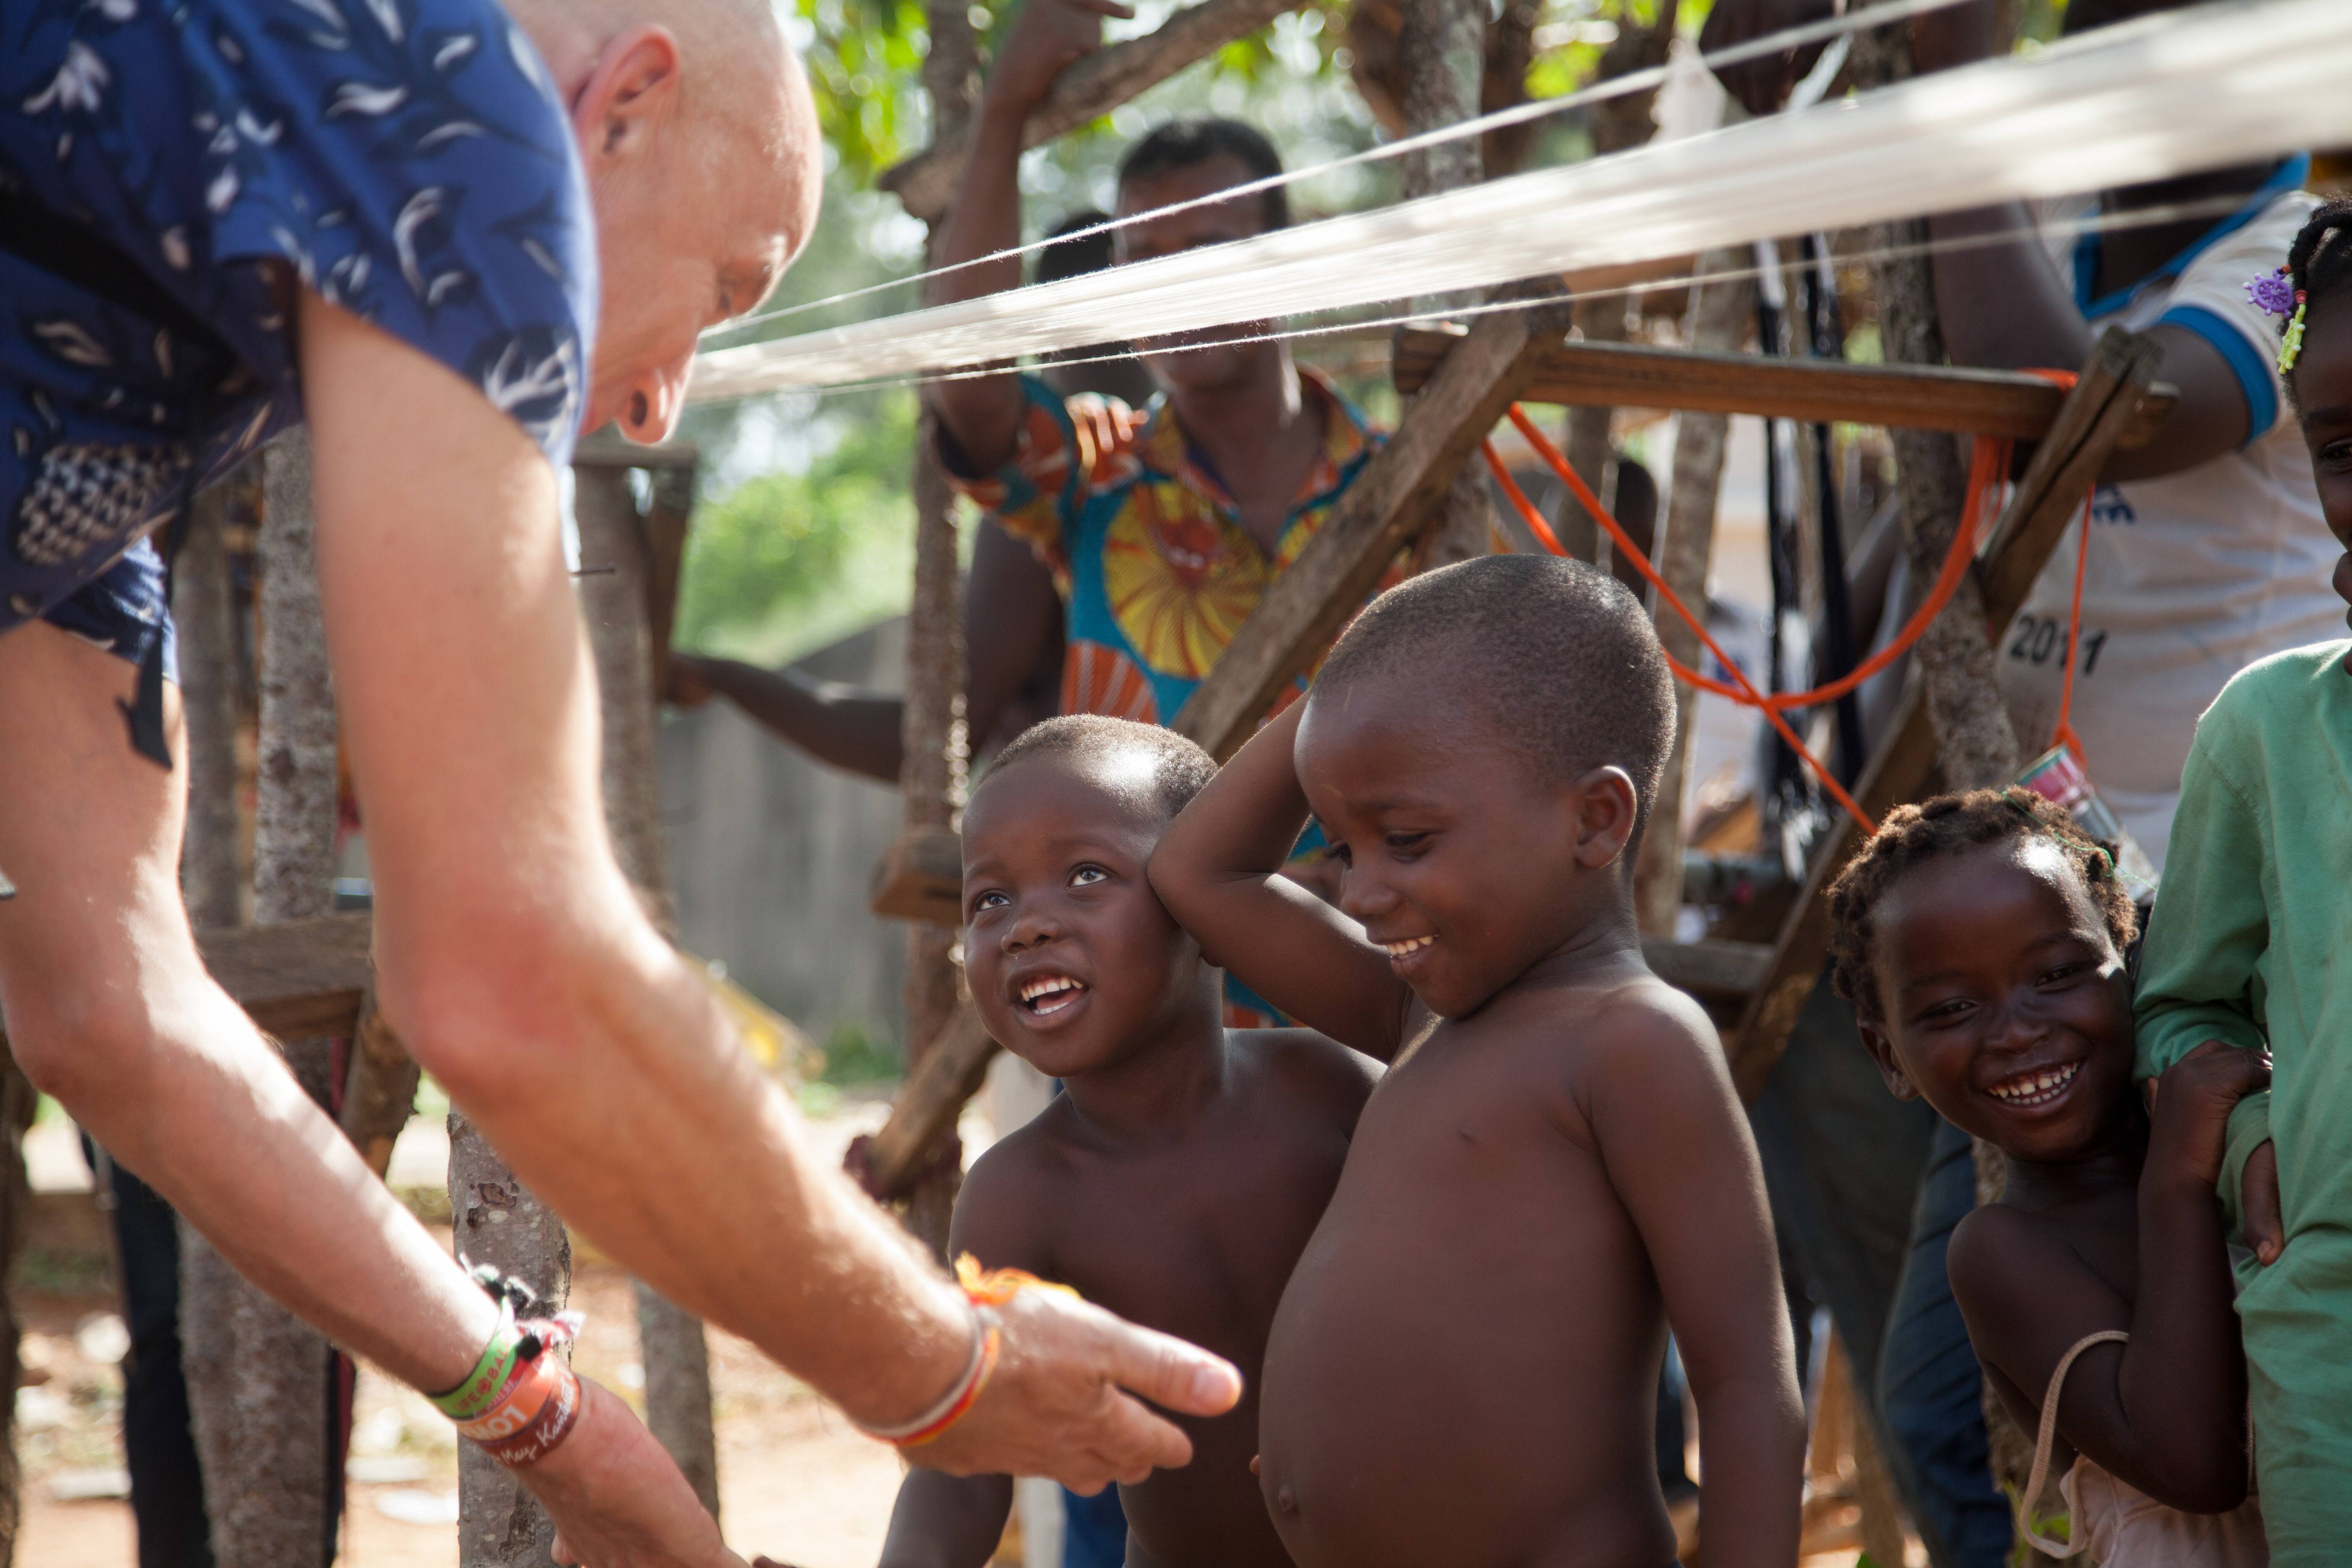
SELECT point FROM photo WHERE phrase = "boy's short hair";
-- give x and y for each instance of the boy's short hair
(1180, 770)
(1563, 661)
(1182, 143)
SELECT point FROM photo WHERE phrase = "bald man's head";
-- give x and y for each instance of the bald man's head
(699, 138)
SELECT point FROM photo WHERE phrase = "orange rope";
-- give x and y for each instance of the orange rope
(1617, 535)
(1987, 462)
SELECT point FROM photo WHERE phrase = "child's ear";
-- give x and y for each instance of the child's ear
(1607, 806)
(1882, 1051)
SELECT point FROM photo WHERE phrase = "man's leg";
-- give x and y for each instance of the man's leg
(1841, 1161)
(1930, 1389)
(108, 1008)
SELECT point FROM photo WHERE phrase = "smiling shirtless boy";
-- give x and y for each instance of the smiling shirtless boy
(1464, 1368)
(1185, 1166)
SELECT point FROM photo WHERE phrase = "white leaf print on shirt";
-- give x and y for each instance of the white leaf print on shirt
(79, 84)
(366, 98)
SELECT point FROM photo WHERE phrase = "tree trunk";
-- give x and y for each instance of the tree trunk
(259, 1383)
(17, 1102)
(1618, 124)
(1442, 45)
(931, 777)
(675, 1352)
(210, 876)
(499, 1222)
(1975, 747)
(1718, 320)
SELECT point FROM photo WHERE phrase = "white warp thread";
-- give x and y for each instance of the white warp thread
(2170, 94)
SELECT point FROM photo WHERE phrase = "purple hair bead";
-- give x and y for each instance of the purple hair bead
(2274, 292)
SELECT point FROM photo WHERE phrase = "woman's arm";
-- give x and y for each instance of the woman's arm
(1219, 870)
(1012, 623)
(2166, 1411)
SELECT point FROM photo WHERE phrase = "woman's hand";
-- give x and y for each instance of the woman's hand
(2189, 1116)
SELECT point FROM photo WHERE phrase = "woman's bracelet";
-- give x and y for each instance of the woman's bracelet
(982, 1290)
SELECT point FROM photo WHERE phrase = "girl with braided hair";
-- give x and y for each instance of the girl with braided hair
(1980, 938)
(2247, 946)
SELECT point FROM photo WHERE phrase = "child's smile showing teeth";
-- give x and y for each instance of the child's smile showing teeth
(1049, 993)
(1408, 947)
(2037, 1086)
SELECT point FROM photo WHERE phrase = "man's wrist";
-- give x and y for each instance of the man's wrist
(912, 1381)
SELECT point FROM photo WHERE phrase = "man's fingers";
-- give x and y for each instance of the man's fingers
(2258, 1203)
(1136, 1442)
(1170, 1372)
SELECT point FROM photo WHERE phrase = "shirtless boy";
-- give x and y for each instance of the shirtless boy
(1464, 1369)
(1181, 1170)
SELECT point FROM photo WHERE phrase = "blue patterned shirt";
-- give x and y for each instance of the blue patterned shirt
(173, 171)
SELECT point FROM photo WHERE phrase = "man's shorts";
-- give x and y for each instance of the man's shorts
(124, 610)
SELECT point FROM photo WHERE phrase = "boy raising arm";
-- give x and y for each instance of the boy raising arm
(1463, 1366)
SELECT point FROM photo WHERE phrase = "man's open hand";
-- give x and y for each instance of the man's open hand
(1053, 1406)
(617, 1499)
(1045, 38)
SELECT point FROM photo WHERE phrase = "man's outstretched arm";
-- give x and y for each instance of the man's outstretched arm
(515, 962)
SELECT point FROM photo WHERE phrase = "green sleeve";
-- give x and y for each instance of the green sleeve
(2211, 927)
(2250, 1129)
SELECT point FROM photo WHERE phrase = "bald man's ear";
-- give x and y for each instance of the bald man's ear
(629, 93)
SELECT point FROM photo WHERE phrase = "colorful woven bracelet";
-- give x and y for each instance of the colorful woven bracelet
(482, 1386)
(538, 1411)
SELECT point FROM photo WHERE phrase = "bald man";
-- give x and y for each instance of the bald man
(449, 238)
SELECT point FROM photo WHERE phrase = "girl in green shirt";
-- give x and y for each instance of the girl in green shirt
(2247, 945)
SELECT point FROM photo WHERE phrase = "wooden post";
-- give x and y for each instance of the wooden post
(675, 1351)
(931, 777)
(17, 1103)
(259, 1377)
(1618, 124)
(1443, 47)
(499, 1222)
(1718, 320)
(210, 876)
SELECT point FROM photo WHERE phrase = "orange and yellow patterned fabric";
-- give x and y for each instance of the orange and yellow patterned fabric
(1144, 542)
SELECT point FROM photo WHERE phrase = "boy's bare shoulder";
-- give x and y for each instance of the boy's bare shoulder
(1311, 1066)
(1642, 1025)
(1005, 1207)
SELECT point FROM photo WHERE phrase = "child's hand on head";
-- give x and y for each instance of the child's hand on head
(2190, 1115)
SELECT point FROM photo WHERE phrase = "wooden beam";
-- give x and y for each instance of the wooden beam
(2114, 396)
(929, 1103)
(1394, 498)
(608, 449)
(1090, 87)
(1978, 402)
(297, 979)
(920, 878)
